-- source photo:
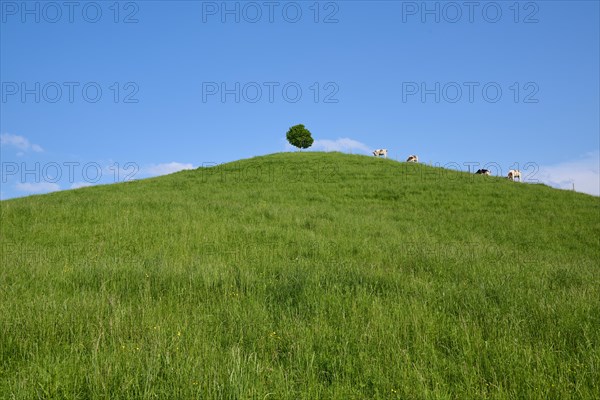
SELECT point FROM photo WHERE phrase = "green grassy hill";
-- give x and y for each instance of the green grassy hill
(302, 276)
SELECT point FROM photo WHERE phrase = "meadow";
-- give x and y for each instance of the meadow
(302, 276)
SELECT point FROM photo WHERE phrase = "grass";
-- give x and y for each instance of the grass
(302, 276)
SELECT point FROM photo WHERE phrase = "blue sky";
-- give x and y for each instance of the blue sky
(98, 92)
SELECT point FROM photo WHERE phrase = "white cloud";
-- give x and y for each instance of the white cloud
(20, 142)
(77, 185)
(584, 173)
(166, 168)
(40, 187)
(344, 145)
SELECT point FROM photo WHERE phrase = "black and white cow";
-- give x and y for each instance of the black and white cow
(483, 172)
(380, 152)
(413, 158)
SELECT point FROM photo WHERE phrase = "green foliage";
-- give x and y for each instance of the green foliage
(299, 136)
(302, 276)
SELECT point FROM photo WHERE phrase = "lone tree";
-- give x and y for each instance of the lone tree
(300, 137)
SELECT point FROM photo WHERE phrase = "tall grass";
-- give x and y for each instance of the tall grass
(302, 276)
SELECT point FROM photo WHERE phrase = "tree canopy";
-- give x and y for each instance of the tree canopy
(300, 137)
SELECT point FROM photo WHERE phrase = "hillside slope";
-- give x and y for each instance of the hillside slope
(302, 275)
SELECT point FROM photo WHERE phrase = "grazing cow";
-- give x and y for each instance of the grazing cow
(380, 152)
(412, 158)
(513, 174)
(483, 172)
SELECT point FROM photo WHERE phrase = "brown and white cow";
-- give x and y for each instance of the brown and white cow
(412, 158)
(380, 152)
(513, 174)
